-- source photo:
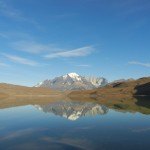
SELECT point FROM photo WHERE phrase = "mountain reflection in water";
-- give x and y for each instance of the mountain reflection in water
(35, 125)
(73, 110)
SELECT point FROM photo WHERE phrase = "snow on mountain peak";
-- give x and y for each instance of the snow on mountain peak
(73, 75)
(39, 84)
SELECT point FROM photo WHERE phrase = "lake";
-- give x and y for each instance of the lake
(72, 125)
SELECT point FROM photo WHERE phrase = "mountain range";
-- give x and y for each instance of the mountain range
(73, 110)
(127, 95)
(73, 81)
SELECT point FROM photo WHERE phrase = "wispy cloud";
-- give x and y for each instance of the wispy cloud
(16, 35)
(9, 11)
(20, 60)
(139, 63)
(79, 52)
(3, 65)
(84, 65)
(3, 35)
(21, 133)
(33, 47)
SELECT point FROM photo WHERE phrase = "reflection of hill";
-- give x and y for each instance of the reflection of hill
(143, 101)
(73, 110)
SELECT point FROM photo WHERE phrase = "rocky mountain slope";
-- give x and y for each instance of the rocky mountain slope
(73, 81)
(126, 96)
(118, 90)
(97, 81)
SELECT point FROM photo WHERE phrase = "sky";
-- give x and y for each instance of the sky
(42, 39)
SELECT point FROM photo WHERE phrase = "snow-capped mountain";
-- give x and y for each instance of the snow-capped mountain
(97, 82)
(73, 81)
(73, 110)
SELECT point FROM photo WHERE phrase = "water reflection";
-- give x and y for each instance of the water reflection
(36, 125)
(73, 110)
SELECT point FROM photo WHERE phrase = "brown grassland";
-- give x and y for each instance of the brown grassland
(133, 96)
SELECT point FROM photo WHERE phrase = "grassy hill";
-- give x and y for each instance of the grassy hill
(128, 89)
(129, 95)
(9, 90)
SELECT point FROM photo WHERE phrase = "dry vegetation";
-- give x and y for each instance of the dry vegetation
(127, 96)
(131, 95)
(14, 95)
(115, 91)
(9, 90)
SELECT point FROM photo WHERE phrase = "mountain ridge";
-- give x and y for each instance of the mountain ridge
(73, 81)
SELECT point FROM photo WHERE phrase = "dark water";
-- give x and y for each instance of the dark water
(72, 125)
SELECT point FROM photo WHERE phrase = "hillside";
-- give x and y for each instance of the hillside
(129, 95)
(140, 87)
(9, 90)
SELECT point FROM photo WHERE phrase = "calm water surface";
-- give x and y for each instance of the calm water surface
(72, 125)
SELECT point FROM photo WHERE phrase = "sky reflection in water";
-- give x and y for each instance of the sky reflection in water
(72, 125)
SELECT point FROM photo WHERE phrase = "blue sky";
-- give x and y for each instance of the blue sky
(48, 38)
